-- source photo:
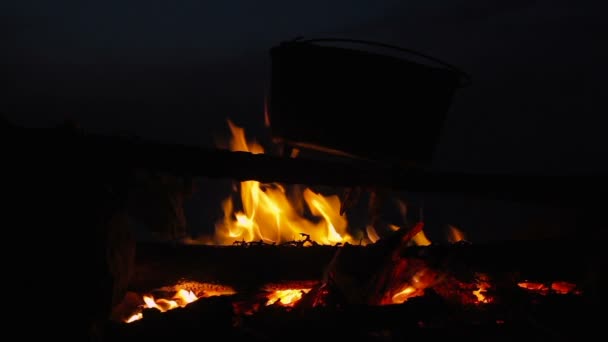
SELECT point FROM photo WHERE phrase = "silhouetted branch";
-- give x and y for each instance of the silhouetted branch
(195, 161)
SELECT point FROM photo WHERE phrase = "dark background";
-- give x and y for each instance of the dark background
(175, 71)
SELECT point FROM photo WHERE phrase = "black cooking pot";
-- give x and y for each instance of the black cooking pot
(359, 103)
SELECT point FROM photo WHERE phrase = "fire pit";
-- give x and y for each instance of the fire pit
(270, 272)
(363, 293)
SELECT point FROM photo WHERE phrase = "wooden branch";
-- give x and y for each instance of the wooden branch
(243, 268)
(540, 260)
(419, 319)
(250, 268)
(267, 168)
(195, 161)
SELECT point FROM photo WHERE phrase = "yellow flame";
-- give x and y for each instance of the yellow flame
(270, 215)
(455, 235)
(420, 239)
(483, 285)
(286, 297)
(239, 142)
(181, 299)
(480, 294)
(135, 317)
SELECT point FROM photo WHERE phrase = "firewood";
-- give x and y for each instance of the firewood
(542, 260)
(430, 316)
(189, 161)
(362, 274)
(244, 268)
(363, 278)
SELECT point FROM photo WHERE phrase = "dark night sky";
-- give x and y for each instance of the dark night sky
(174, 71)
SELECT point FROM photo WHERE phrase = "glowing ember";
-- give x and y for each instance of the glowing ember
(415, 287)
(405, 294)
(480, 293)
(563, 287)
(483, 285)
(272, 214)
(537, 287)
(286, 297)
(558, 287)
(186, 292)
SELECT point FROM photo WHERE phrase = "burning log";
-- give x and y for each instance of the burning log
(201, 318)
(364, 274)
(534, 259)
(385, 290)
(245, 268)
(422, 317)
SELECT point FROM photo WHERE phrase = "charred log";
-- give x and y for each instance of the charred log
(243, 268)
(208, 317)
(537, 259)
(548, 318)
(357, 268)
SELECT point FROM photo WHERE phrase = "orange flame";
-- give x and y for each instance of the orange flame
(420, 239)
(455, 235)
(372, 235)
(270, 215)
(287, 297)
(415, 287)
(266, 114)
(405, 294)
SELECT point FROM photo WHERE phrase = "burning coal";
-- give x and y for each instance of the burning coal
(556, 287)
(167, 298)
(287, 297)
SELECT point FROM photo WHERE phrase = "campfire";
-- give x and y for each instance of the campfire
(282, 256)
(271, 214)
(303, 248)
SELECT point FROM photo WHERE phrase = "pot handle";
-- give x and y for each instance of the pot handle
(465, 78)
